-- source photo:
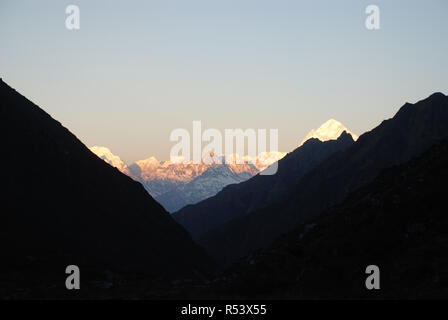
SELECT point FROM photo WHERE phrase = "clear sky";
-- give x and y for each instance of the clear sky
(136, 70)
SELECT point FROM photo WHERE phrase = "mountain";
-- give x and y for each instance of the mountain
(204, 186)
(397, 222)
(238, 200)
(176, 183)
(410, 132)
(264, 159)
(175, 171)
(330, 130)
(61, 205)
(115, 161)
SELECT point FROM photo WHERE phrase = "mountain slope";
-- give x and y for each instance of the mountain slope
(70, 207)
(202, 187)
(238, 200)
(397, 222)
(114, 160)
(175, 184)
(411, 131)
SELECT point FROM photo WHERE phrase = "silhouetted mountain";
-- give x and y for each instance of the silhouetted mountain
(411, 131)
(397, 222)
(61, 205)
(237, 200)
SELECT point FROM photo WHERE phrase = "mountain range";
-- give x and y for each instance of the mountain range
(397, 222)
(176, 183)
(336, 204)
(238, 200)
(413, 129)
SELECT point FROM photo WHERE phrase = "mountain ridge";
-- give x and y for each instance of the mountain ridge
(413, 129)
(396, 222)
(237, 200)
(176, 183)
(76, 208)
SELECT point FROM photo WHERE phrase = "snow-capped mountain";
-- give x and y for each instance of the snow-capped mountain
(330, 130)
(114, 160)
(173, 170)
(265, 159)
(176, 182)
(205, 185)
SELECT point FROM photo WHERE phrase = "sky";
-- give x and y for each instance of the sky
(136, 70)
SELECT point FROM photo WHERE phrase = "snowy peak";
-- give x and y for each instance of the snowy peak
(178, 182)
(260, 162)
(179, 169)
(115, 161)
(330, 130)
(148, 164)
(265, 159)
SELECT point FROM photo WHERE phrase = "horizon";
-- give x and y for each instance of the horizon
(132, 74)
